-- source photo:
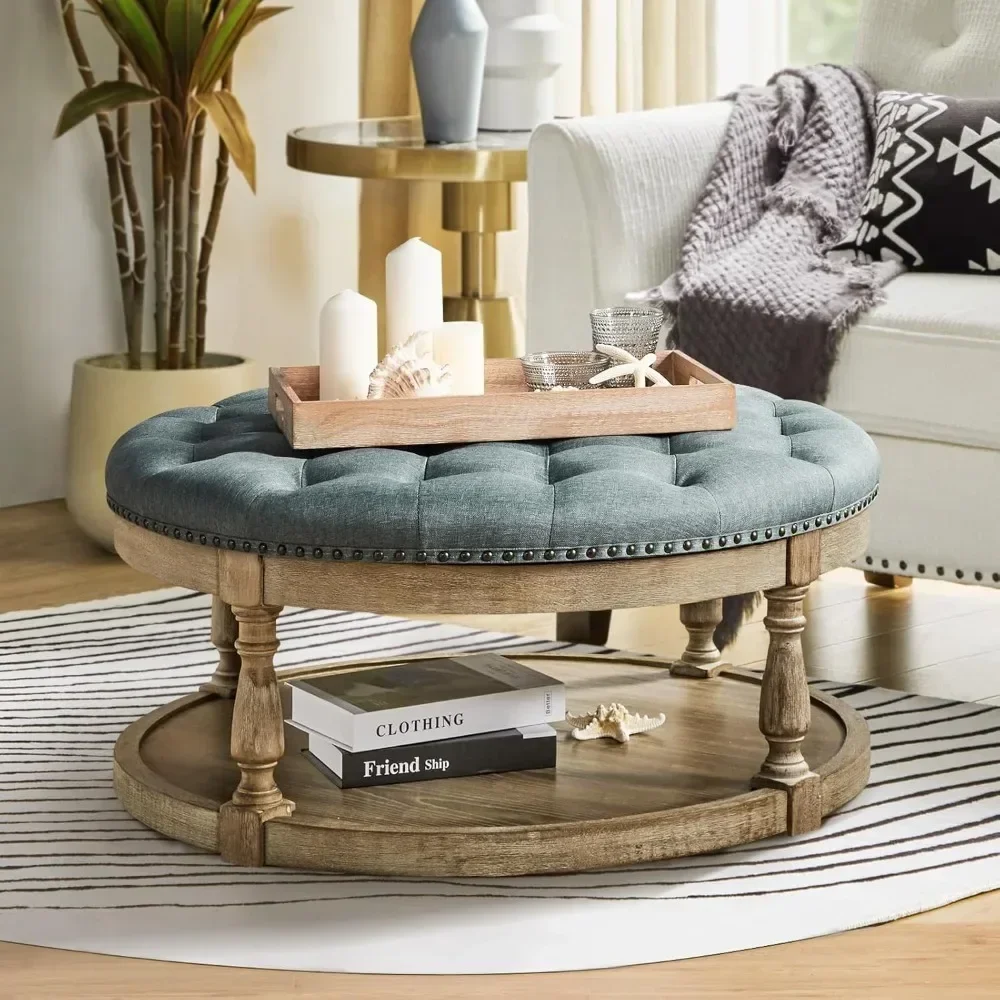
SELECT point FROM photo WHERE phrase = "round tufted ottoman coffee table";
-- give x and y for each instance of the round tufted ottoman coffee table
(214, 499)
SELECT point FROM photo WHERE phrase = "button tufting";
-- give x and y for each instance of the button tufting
(522, 474)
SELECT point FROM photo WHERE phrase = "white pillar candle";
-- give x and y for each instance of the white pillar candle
(461, 347)
(348, 346)
(414, 296)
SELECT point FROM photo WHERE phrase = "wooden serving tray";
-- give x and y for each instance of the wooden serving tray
(698, 400)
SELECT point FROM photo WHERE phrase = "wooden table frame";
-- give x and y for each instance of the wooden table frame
(250, 590)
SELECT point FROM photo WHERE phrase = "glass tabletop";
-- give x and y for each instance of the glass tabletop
(404, 133)
(395, 148)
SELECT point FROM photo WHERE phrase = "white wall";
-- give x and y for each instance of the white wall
(279, 254)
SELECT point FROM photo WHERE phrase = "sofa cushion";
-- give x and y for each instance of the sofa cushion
(225, 476)
(926, 363)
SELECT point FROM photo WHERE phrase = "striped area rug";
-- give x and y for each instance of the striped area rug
(76, 872)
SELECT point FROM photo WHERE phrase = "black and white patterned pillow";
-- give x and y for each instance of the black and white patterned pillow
(933, 198)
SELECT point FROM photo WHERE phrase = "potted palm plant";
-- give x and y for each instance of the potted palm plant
(176, 57)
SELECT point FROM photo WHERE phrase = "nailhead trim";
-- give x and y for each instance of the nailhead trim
(512, 557)
(905, 568)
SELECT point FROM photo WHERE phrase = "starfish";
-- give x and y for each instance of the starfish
(612, 721)
(641, 369)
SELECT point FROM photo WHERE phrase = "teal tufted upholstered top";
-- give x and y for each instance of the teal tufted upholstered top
(224, 475)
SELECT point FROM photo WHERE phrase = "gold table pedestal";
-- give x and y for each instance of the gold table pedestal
(479, 212)
(477, 198)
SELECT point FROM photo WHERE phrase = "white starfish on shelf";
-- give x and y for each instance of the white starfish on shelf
(612, 721)
(641, 369)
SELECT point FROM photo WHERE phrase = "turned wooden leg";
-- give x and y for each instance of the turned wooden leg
(785, 711)
(888, 580)
(702, 657)
(257, 741)
(224, 632)
(588, 627)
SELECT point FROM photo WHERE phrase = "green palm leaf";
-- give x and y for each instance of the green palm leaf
(107, 96)
(221, 44)
(184, 33)
(138, 37)
(262, 14)
(230, 121)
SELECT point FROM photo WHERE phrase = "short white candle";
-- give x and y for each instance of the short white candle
(413, 291)
(348, 346)
(460, 346)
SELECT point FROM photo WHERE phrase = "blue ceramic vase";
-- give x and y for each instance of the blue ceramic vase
(449, 57)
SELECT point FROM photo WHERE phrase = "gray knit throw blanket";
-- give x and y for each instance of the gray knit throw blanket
(756, 297)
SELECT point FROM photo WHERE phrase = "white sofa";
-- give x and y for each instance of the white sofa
(609, 202)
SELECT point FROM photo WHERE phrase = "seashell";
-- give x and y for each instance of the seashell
(409, 371)
(612, 721)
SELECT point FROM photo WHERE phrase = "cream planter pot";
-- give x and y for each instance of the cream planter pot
(108, 399)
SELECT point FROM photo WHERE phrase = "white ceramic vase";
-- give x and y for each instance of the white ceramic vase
(523, 52)
(108, 399)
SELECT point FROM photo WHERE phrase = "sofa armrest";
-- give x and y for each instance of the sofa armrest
(609, 200)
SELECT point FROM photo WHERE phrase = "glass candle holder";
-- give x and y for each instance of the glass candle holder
(563, 369)
(635, 329)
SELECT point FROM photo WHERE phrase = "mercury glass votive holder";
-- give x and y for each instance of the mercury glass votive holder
(635, 329)
(562, 369)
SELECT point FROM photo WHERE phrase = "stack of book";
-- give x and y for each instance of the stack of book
(439, 718)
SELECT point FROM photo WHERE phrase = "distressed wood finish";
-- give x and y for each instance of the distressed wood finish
(225, 629)
(455, 589)
(257, 587)
(785, 711)
(509, 411)
(679, 790)
(701, 658)
(588, 627)
(257, 741)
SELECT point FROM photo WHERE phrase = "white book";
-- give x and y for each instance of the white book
(424, 700)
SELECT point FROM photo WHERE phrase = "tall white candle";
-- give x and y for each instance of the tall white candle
(348, 346)
(413, 291)
(460, 346)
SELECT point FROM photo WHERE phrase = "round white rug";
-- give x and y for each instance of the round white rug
(76, 872)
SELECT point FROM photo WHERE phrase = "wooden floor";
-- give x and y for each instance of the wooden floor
(935, 639)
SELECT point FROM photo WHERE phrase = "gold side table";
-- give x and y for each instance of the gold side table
(477, 196)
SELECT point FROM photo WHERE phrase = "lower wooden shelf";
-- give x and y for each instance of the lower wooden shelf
(682, 789)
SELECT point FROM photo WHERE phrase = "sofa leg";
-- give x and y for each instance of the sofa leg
(888, 580)
(588, 627)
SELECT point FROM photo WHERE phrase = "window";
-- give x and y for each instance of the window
(821, 31)
(754, 38)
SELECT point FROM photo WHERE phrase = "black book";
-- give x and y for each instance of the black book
(482, 753)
